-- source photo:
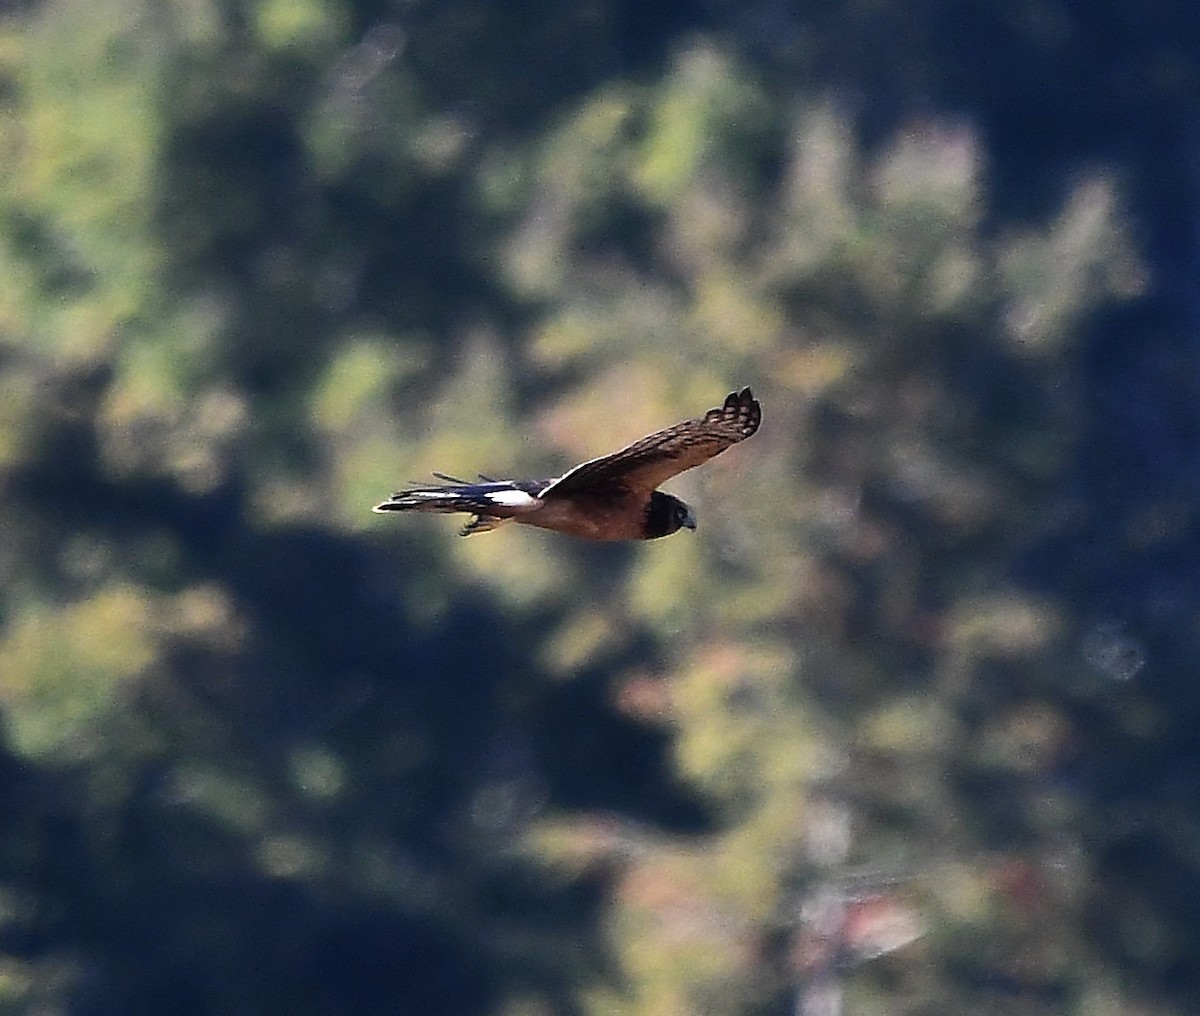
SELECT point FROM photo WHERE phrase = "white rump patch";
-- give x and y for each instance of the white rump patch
(511, 498)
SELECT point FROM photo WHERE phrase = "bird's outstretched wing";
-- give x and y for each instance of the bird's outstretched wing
(645, 464)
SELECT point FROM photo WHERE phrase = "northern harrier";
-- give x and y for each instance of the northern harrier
(609, 498)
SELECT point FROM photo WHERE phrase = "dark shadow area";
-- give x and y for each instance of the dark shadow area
(415, 895)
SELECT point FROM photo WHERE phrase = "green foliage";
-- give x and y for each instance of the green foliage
(266, 752)
(285, 25)
(65, 669)
(85, 134)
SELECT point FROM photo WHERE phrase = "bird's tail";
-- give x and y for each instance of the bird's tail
(495, 499)
(457, 498)
(420, 500)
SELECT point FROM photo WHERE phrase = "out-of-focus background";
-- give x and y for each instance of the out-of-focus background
(911, 725)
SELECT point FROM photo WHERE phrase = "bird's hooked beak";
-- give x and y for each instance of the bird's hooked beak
(689, 519)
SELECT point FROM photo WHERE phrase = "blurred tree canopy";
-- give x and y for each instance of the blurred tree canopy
(919, 691)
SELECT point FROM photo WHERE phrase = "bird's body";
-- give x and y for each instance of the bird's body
(608, 498)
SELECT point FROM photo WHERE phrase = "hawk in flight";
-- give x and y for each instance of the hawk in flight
(609, 498)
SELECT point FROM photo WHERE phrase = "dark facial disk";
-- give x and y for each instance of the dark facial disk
(665, 514)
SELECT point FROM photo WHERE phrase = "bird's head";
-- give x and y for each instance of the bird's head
(666, 514)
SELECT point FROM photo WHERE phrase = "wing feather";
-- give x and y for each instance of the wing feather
(646, 463)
